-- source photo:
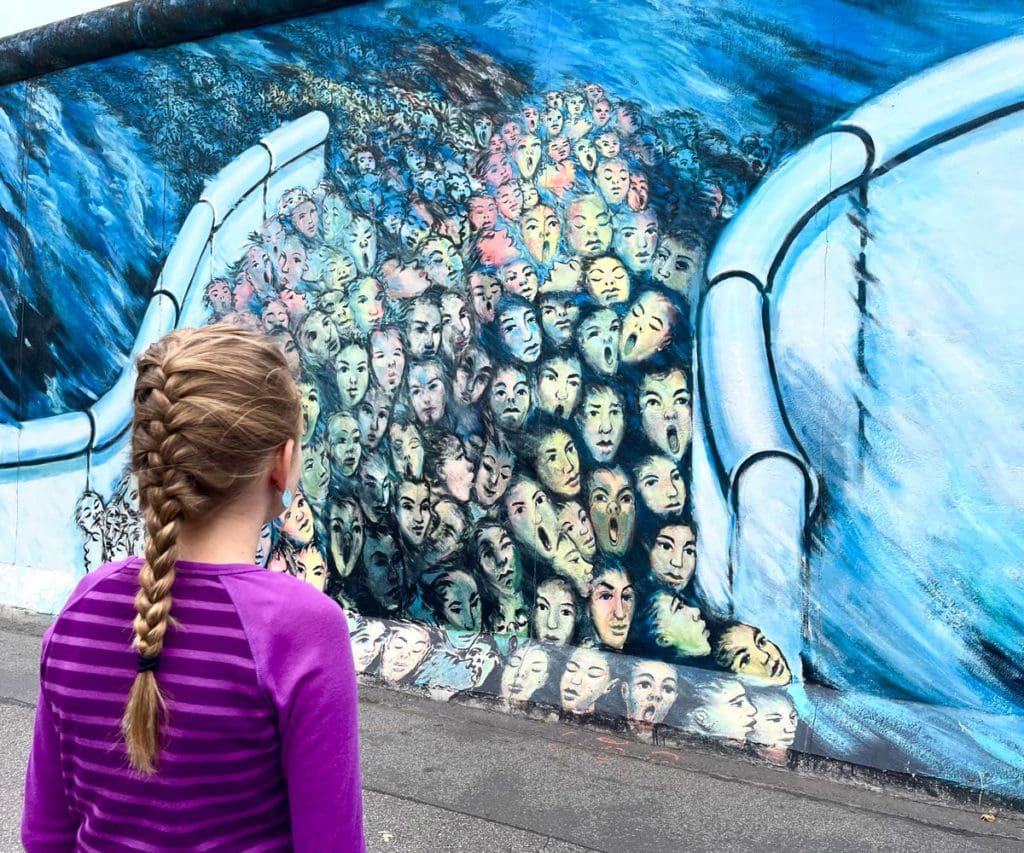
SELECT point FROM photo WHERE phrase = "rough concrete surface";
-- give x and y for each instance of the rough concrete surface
(446, 777)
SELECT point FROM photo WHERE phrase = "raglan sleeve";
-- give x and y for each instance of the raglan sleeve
(306, 665)
(49, 823)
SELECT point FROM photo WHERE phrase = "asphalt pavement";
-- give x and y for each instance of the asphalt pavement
(447, 777)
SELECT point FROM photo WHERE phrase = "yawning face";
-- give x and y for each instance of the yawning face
(532, 517)
(612, 509)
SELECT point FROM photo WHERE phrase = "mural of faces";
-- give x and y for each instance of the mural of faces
(498, 558)
(404, 649)
(343, 439)
(427, 392)
(493, 474)
(406, 450)
(532, 517)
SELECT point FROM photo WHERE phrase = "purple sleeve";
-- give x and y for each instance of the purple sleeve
(300, 643)
(49, 824)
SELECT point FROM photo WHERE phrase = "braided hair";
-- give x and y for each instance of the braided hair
(211, 406)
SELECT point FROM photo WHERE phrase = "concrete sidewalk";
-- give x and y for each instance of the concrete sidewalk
(445, 777)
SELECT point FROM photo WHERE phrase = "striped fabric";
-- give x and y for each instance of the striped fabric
(242, 671)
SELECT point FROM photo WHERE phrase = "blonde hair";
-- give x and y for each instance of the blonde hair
(211, 405)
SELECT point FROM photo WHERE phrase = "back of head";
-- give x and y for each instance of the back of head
(211, 407)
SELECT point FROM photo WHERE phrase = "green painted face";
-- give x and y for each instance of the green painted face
(678, 626)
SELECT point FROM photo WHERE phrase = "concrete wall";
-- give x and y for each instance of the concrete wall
(555, 457)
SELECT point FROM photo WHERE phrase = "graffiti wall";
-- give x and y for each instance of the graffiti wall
(609, 409)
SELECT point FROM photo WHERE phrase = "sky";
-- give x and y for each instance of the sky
(26, 16)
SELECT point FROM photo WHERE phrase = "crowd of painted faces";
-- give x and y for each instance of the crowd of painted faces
(492, 348)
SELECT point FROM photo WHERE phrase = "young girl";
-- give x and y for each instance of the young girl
(191, 699)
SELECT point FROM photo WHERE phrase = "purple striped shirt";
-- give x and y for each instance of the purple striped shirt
(261, 746)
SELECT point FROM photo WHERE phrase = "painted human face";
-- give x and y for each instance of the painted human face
(387, 357)
(602, 422)
(316, 472)
(291, 262)
(586, 153)
(483, 127)
(413, 511)
(665, 412)
(498, 558)
(674, 556)
(366, 300)
(726, 711)
(483, 212)
(496, 247)
(404, 649)
(297, 521)
(295, 305)
(498, 170)
(612, 509)
(340, 269)
(776, 721)
(493, 474)
(525, 673)
(520, 331)
(607, 144)
(520, 278)
(558, 315)
(651, 691)
(558, 386)
(334, 304)
(559, 149)
(219, 297)
(679, 627)
(427, 392)
(531, 118)
(484, 292)
(343, 440)
(345, 526)
(335, 217)
(531, 198)
(747, 651)
(541, 231)
(456, 325)
(406, 451)
(602, 111)
(472, 376)
(526, 154)
(311, 567)
(372, 415)
(353, 374)
(306, 219)
(575, 523)
(588, 226)
(636, 236)
(554, 121)
(639, 192)
(367, 641)
(509, 199)
(460, 601)
(423, 329)
(613, 180)
(446, 534)
(456, 470)
(258, 269)
(441, 262)
(647, 327)
(554, 616)
(361, 243)
(413, 231)
(585, 679)
(366, 162)
(318, 339)
(510, 398)
(382, 560)
(608, 280)
(661, 485)
(309, 398)
(612, 600)
(677, 263)
(558, 463)
(532, 517)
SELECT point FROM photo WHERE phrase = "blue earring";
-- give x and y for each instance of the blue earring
(287, 497)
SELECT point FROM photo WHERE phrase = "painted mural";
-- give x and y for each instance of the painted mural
(489, 295)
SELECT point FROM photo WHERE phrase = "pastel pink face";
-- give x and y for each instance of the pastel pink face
(484, 291)
(456, 325)
(521, 278)
(426, 392)
(541, 232)
(306, 219)
(219, 296)
(497, 145)
(387, 356)
(498, 170)
(588, 226)
(559, 149)
(608, 144)
(531, 118)
(496, 247)
(510, 201)
(483, 212)
(404, 280)
(527, 154)
(245, 293)
(457, 472)
(295, 304)
(510, 133)
(638, 194)
(613, 180)
(257, 269)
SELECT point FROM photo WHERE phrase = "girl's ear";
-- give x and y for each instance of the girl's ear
(281, 469)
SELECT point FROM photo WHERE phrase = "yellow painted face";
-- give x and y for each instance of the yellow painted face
(589, 226)
(647, 327)
(608, 280)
